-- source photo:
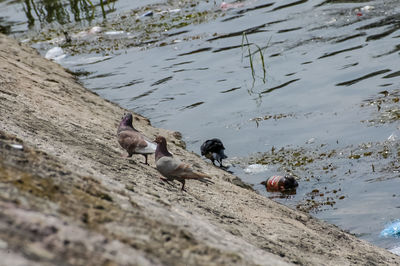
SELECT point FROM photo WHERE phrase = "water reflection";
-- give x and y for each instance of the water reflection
(4, 28)
(64, 11)
(45, 11)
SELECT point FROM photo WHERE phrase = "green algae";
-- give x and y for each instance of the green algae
(134, 29)
(275, 117)
(323, 171)
(384, 107)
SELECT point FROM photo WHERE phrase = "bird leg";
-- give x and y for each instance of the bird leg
(183, 184)
(124, 155)
(165, 180)
(145, 161)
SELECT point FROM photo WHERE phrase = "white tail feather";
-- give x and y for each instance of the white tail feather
(150, 148)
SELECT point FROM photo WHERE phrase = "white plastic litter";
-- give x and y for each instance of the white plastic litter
(367, 8)
(310, 141)
(392, 137)
(87, 33)
(255, 168)
(17, 146)
(395, 250)
(95, 29)
(114, 32)
(147, 14)
(174, 10)
(55, 53)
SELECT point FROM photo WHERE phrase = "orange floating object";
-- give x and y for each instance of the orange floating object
(280, 183)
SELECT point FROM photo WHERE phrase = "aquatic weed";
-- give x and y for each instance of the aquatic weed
(260, 51)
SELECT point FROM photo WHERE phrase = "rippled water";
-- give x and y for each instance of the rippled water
(321, 103)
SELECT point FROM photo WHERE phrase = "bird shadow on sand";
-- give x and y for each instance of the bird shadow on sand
(225, 168)
(172, 183)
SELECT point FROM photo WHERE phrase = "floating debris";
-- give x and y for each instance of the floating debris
(310, 141)
(177, 10)
(120, 32)
(163, 12)
(363, 10)
(69, 37)
(391, 230)
(55, 53)
(95, 29)
(226, 6)
(367, 8)
(395, 250)
(392, 137)
(255, 168)
(280, 183)
(147, 14)
(86, 33)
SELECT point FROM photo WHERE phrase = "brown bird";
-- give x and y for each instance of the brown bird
(132, 140)
(172, 168)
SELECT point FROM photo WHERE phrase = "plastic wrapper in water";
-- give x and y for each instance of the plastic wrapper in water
(391, 230)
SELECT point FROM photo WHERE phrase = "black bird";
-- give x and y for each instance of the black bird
(213, 149)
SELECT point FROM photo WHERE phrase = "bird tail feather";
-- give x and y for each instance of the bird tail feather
(219, 156)
(222, 154)
(197, 175)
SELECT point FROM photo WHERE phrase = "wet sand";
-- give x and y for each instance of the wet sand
(69, 197)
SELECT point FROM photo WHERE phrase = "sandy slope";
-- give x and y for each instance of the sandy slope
(68, 197)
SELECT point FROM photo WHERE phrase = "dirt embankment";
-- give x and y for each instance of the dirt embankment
(68, 197)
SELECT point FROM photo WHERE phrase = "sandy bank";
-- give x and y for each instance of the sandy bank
(68, 197)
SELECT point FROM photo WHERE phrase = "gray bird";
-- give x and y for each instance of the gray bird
(213, 149)
(132, 140)
(172, 168)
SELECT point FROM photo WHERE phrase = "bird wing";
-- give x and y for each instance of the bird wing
(211, 146)
(203, 148)
(167, 166)
(173, 168)
(216, 145)
(134, 142)
(150, 147)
